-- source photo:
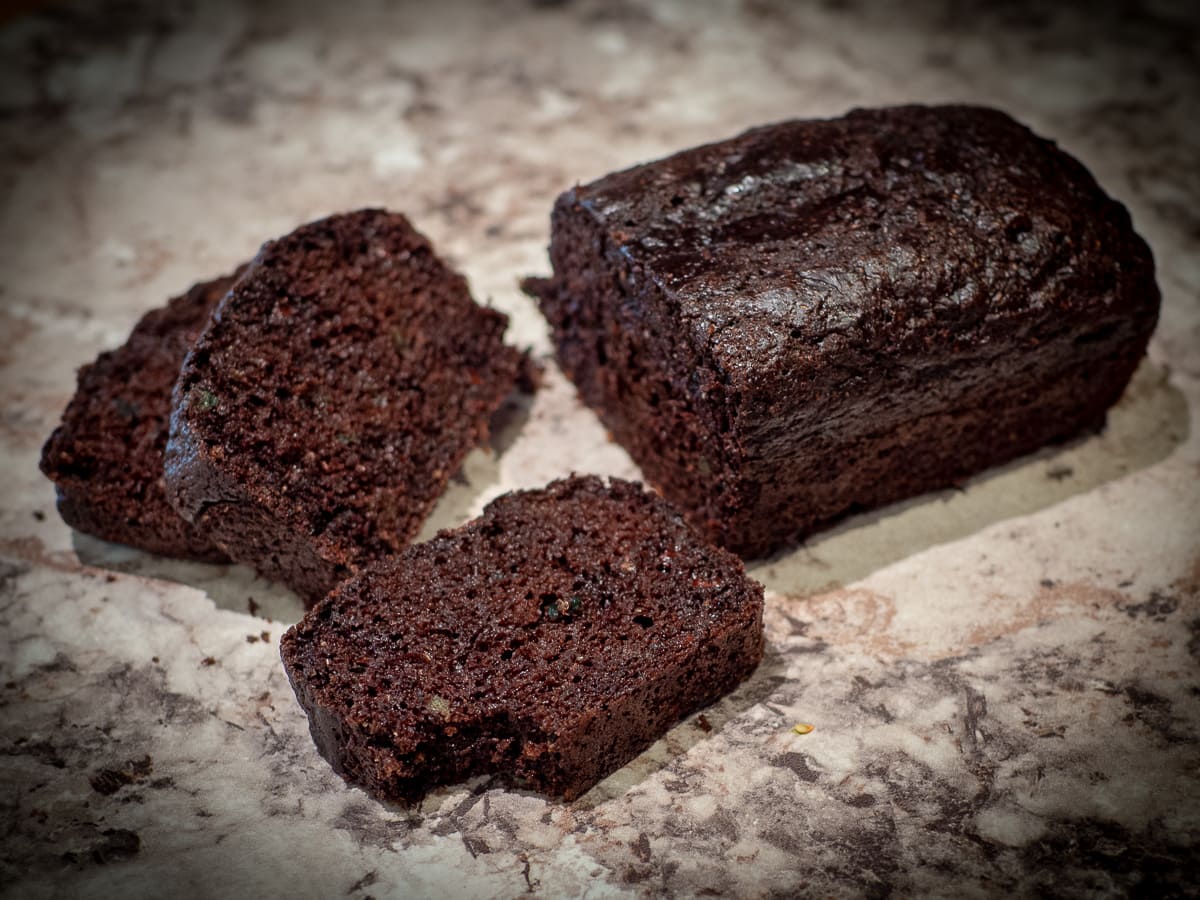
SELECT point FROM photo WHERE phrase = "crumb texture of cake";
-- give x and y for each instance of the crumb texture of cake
(547, 643)
(337, 388)
(106, 458)
(820, 317)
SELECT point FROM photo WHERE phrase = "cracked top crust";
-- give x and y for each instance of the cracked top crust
(913, 232)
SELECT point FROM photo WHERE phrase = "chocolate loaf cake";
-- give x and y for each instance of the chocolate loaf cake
(337, 388)
(820, 317)
(106, 458)
(547, 642)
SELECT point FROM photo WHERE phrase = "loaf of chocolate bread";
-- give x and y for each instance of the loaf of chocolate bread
(106, 458)
(337, 388)
(819, 317)
(547, 642)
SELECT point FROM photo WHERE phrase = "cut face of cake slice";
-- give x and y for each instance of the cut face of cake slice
(337, 388)
(547, 642)
(106, 458)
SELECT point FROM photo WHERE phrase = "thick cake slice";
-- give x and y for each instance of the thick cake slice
(106, 458)
(337, 388)
(819, 317)
(547, 642)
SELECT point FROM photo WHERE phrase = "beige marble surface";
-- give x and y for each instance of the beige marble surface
(1005, 680)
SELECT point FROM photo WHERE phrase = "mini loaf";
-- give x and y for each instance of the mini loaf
(547, 642)
(106, 458)
(337, 388)
(820, 317)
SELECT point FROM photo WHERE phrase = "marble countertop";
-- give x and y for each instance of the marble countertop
(1004, 680)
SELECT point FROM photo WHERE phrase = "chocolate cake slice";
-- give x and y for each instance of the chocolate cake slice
(547, 642)
(337, 388)
(820, 317)
(106, 458)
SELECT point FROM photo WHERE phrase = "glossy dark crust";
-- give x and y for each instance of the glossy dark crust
(547, 642)
(336, 390)
(106, 458)
(820, 317)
